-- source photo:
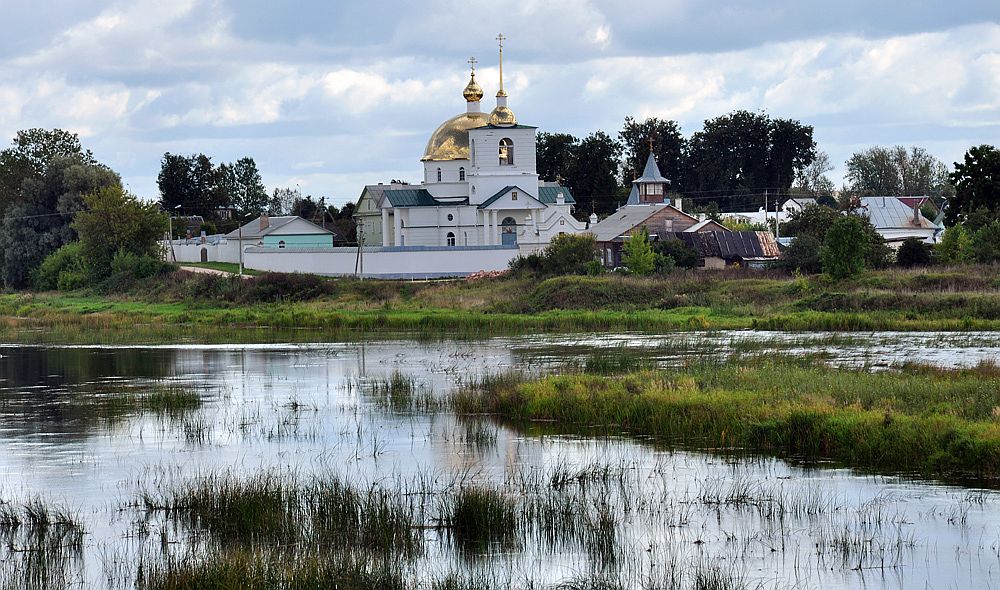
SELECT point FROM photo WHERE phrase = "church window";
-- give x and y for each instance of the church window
(562, 222)
(451, 217)
(513, 195)
(439, 175)
(506, 152)
(451, 239)
(281, 244)
(461, 174)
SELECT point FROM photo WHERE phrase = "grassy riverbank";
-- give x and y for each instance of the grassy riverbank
(915, 419)
(186, 305)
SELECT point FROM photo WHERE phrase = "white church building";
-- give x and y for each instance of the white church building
(480, 188)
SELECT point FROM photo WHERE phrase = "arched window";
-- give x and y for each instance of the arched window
(461, 174)
(451, 239)
(506, 152)
(508, 231)
(439, 175)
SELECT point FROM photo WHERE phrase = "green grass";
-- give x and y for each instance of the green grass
(187, 307)
(914, 419)
(230, 267)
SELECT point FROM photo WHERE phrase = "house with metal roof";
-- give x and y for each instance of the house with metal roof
(659, 219)
(716, 250)
(290, 231)
(480, 188)
(896, 219)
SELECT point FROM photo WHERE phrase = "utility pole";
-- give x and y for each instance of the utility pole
(240, 234)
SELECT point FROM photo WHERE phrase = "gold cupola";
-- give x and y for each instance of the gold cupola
(502, 116)
(473, 91)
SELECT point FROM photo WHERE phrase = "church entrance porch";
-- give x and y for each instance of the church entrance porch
(508, 232)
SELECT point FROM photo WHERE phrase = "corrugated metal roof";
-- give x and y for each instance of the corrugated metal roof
(252, 230)
(732, 245)
(623, 221)
(891, 213)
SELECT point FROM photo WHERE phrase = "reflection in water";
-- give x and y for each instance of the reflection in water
(299, 408)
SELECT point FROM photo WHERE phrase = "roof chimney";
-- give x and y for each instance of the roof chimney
(560, 198)
(265, 222)
(593, 219)
(701, 217)
(677, 203)
(916, 212)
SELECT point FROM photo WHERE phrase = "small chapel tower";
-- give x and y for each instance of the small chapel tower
(651, 187)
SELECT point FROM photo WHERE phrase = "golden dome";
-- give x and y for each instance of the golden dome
(473, 91)
(502, 116)
(451, 140)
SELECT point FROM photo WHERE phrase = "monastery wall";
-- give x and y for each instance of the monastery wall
(386, 263)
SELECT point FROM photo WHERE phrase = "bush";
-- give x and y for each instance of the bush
(136, 266)
(566, 254)
(912, 253)
(71, 280)
(638, 255)
(844, 249)
(955, 247)
(986, 243)
(664, 264)
(69, 260)
(272, 287)
(803, 255)
(678, 251)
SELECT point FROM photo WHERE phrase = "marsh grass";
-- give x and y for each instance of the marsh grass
(479, 518)
(400, 393)
(911, 418)
(41, 545)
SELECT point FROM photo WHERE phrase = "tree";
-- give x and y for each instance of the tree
(593, 177)
(812, 220)
(844, 249)
(193, 185)
(669, 149)
(114, 222)
(29, 156)
(977, 188)
(554, 155)
(986, 243)
(282, 200)
(897, 172)
(812, 179)
(955, 246)
(246, 189)
(682, 255)
(913, 252)
(803, 255)
(746, 153)
(637, 253)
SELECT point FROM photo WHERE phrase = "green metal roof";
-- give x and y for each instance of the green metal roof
(416, 197)
(547, 194)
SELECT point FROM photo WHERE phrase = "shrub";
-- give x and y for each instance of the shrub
(986, 243)
(594, 268)
(955, 247)
(912, 253)
(682, 255)
(638, 255)
(68, 259)
(664, 264)
(271, 287)
(803, 255)
(137, 266)
(844, 249)
(566, 254)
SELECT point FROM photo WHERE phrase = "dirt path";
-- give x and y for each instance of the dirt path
(211, 271)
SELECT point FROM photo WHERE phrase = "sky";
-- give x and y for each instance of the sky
(330, 96)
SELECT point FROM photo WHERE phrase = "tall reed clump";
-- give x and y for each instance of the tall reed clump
(275, 508)
(268, 570)
(477, 518)
(41, 545)
(914, 419)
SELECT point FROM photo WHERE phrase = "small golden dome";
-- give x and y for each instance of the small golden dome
(473, 91)
(450, 140)
(502, 116)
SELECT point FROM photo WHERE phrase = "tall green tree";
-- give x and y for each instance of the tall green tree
(247, 193)
(594, 175)
(42, 178)
(116, 221)
(669, 149)
(812, 179)
(192, 185)
(742, 154)
(977, 188)
(554, 155)
(897, 172)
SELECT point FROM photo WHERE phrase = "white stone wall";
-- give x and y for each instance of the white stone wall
(191, 251)
(416, 263)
